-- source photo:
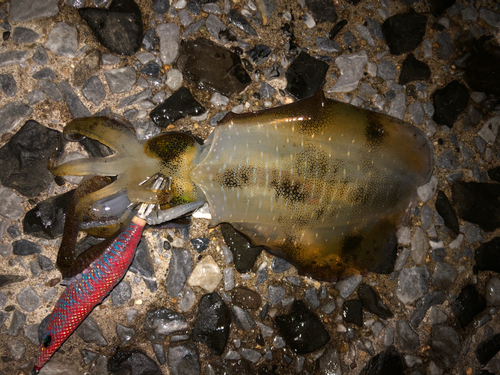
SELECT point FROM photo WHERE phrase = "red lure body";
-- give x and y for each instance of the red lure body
(87, 290)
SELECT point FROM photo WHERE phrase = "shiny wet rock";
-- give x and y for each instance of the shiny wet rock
(132, 362)
(212, 323)
(305, 76)
(302, 330)
(244, 253)
(181, 104)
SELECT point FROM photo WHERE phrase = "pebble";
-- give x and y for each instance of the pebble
(161, 323)
(490, 17)
(121, 79)
(406, 338)
(75, 105)
(144, 267)
(136, 98)
(489, 130)
(276, 294)
(51, 89)
(161, 6)
(24, 35)
(347, 286)
(212, 323)
(62, 40)
(242, 318)
(398, 106)
(174, 79)
(302, 330)
(351, 69)
(125, 334)
(443, 276)
(180, 268)
(93, 90)
(364, 33)
(121, 293)
(16, 324)
(388, 361)
(493, 291)
(27, 10)
(183, 359)
(427, 191)
(206, 275)
(90, 332)
(416, 112)
(279, 265)
(311, 298)
(419, 246)
(445, 47)
(412, 284)
(445, 346)
(220, 100)
(35, 97)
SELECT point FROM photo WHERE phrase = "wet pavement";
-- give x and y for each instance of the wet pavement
(200, 300)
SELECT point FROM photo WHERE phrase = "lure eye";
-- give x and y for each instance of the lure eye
(46, 341)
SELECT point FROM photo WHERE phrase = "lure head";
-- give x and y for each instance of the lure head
(47, 348)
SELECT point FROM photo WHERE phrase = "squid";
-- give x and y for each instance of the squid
(320, 183)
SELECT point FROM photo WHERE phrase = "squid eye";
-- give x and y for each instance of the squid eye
(46, 341)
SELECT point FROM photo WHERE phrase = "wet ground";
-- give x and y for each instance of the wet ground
(433, 64)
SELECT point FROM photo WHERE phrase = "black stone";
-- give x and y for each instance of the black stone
(482, 71)
(494, 174)
(302, 329)
(133, 362)
(213, 323)
(212, 67)
(404, 32)
(468, 304)
(200, 243)
(259, 54)
(386, 266)
(25, 247)
(23, 160)
(162, 322)
(439, 6)
(444, 208)
(179, 105)
(487, 349)
(353, 2)
(372, 302)
(305, 76)
(322, 10)
(414, 70)
(244, 253)
(241, 22)
(46, 219)
(478, 202)
(352, 312)
(449, 102)
(118, 28)
(151, 69)
(10, 279)
(488, 256)
(337, 29)
(387, 362)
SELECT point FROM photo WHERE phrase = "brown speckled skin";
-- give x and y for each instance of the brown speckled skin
(320, 183)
